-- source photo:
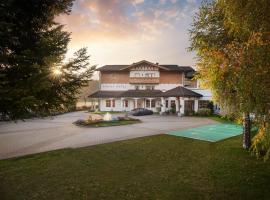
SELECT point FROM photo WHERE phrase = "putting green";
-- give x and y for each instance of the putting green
(211, 133)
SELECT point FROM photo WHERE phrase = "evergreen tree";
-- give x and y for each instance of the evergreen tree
(32, 47)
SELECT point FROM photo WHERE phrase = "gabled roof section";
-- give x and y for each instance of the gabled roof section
(141, 93)
(128, 93)
(145, 62)
(111, 67)
(176, 68)
(106, 94)
(180, 92)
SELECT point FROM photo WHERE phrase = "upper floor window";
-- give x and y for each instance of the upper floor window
(137, 74)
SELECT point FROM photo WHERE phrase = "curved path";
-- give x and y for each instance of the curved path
(39, 135)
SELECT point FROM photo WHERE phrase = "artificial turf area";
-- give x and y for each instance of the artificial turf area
(156, 167)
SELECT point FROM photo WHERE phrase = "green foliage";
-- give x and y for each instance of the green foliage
(211, 106)
(261, 142)
(100, 123)
(204, 112)
(231, 39)
(32, 45)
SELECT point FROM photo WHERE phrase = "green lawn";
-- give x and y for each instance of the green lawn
(156, 167)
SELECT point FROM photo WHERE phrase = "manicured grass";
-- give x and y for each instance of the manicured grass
(156, 167)
(220, 119)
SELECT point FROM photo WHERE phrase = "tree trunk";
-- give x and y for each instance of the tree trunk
(246, 130)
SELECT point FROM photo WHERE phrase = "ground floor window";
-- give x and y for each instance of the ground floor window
(153, 103)
(113, 103)
(167, 103)
(147, 103)
(108, 103)
(203, 103)
(126, 103)
(173, 103)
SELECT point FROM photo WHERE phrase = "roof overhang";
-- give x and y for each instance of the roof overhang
(146, 62)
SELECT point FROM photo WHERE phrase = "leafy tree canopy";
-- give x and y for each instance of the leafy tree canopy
(232, 42)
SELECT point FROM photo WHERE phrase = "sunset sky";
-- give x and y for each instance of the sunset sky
(127, 31)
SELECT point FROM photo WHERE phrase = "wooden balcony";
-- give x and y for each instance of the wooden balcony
(146, 80)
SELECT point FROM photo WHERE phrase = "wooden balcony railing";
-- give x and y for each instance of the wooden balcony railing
(144, 80)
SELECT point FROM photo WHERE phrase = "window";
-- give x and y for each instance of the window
(126, 103)
(203, 103)
(137, 74)
(113, 103)
(147, 103)
(149, 87)
(173, 103)
(108, 103)
(137, 87)
(167, 103)
(153, 103)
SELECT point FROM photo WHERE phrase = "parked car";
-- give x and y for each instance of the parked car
(140, 112)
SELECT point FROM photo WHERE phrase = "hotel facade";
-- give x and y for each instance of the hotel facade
(160, 88)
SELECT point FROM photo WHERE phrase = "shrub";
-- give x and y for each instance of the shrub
(189, 112)
(211, 106)
(204, 112)
(173, 110)
(261, 142)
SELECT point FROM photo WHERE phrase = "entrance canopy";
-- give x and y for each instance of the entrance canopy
(180, 92)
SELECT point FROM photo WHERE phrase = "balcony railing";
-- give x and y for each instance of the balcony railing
(144, 80)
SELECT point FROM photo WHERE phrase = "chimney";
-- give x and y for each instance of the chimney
(156, 63)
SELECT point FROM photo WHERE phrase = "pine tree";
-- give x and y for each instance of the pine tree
(32, 46)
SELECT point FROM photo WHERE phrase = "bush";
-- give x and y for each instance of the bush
(261, 143)
(204, 112)
(211, 106)
(189, 113)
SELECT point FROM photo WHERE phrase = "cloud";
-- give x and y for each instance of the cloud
(93, 21)
(138, 1)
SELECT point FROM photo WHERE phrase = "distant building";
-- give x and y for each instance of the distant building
(83, 100)
(149, 85)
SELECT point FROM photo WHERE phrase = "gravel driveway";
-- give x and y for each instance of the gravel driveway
(39, 135)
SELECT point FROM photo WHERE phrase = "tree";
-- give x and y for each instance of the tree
(32, 46)
(233, 56)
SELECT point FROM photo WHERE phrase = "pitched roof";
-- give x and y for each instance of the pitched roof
(128, 93)
(180, 92)
(168, 67)
(141, 93)
(105, 94)
(165, 67)
(175, 92)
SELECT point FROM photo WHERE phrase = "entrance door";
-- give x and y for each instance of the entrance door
(189, 107)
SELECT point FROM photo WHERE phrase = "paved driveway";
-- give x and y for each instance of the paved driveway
(39, 135)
